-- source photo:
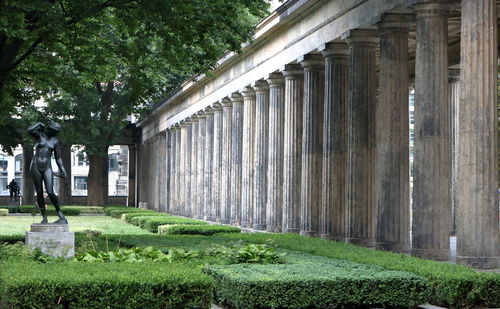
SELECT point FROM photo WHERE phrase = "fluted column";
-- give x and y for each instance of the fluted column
(200, 210)
(209, 154)
(168, 168)
(247, 157)
(187, 169)
(274, 206)
(292, 152)
(260, 154)
(454, 97)
(236, 156)
(132, 153)
(217, 161)
(478, 239)
(172, 195)
(162, 170)
(194, 165)
(177, 186)
(312, 141)
(226, 187)
(361, 137)
(183, 168)
(392, 177)
(431, 176)
(28, 189)
(332, 213)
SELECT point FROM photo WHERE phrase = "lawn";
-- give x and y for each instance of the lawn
(12, 225)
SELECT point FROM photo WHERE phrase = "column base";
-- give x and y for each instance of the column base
(365, 242)
(224, 221)
(432, 254)
(235, 223)
(332, 237)
(259, 227)
(480, 262)
(273, 229)
(290, 230)
(309, 233)
(247, 224)
(200, 217)
(394, 247)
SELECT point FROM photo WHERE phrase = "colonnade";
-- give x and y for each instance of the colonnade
(321, 146)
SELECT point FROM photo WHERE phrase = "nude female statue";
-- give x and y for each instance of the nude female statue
(41, 168)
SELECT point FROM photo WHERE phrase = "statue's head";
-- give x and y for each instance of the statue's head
(53, 128)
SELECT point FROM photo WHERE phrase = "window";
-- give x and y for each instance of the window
(3, 185)
(18, 161)
(80, 183)
(3, 164)
(82, 159)
(113, 162)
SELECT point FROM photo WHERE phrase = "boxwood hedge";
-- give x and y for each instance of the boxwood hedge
(51, 211)
(151, 223)
(129, 216)
(196, 229)
(80, 285)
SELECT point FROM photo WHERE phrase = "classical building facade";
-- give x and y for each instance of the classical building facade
(307, 130)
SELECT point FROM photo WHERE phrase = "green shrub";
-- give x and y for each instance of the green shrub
(140, 221)
(129, 216)
(11, 209)
(332, 284)
(104, 285)
(117, 213)
(12, 239)
(196, 229)
(51, 211)
(151, 223)
(4, 212)
(86, 209)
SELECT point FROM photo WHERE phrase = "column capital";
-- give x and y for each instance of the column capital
(311, 61)
(201, 114)
(276, 79)
(334, 49)
(433, 8)
(225, 102)
(217, 106)
(248, 92)
(260, 86)
(236, 97)
(361, 37)
(194, 118)
(453, 75)
(292, 71)
(209, 110)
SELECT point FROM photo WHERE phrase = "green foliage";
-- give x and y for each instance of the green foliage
(151, 223)
(4, 212)
(104, 285)
(249, 254)
(196, 229)
(14, 250)
(10, 209)
(330, 284)
(87, 209)
(129, 216)
(12, 239)
(51, 211)
(117, 212)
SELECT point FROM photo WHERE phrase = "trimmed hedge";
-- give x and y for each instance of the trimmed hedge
(87, 209)
(196, 229)
(12, 239)
(51, 211)
(4, 212)
(104, 285)
(451, 285)
(11, 209)
(117, 213)
(332, 284)
(151, 223)
(129, 216)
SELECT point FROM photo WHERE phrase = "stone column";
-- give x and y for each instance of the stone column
(187, 169)
(132, 153)
(28, 189)
(478, 239)
(226, 187)
(217, 161)
(454, 97)
(168, 166)
(200, 210)
(194, 166)
(172, 161)
(236, 157)
(209, 154)
(431, 176)
(64, 193)
(392, 175)
(361, 137)
(312, 143)
(182, 168)
(247, 157)
(332, 212)
(260, 154)
(177, 202)
(162, 170)
(292, 152)
(154, 172)
(274, 206)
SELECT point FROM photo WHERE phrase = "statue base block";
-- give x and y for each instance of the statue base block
(52, 239)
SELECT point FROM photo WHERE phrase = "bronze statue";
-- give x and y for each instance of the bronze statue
(41, 168)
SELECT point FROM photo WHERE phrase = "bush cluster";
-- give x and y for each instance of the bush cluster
(51, 211)
(10, 209)
(196, 229)
(117, 212)
(151, 223)
(97, 210)
(104, 285)
(4, 212)
(127, 217)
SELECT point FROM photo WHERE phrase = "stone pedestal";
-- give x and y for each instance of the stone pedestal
(52, 239)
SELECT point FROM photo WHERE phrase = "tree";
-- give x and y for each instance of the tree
(104, 68)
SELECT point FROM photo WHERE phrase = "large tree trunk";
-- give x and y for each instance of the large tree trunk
(98, 180)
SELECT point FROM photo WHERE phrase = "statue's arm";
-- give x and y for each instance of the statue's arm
(35, 129)
(57, 154)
